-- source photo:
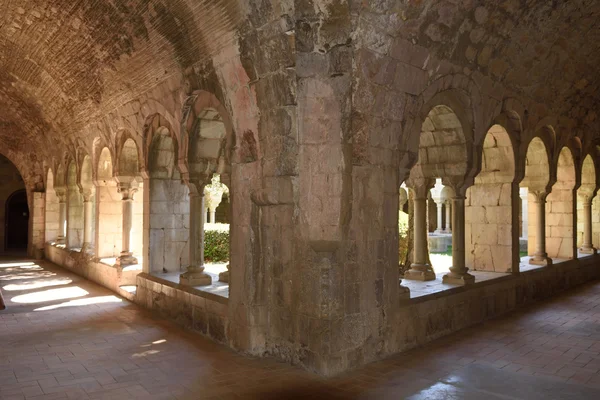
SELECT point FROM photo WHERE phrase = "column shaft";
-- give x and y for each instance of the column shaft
(448, 217)
(540, 257)
(587, 247)
(458, 272)
(62, 222)
(87, 223)
(195, 275)
(420, 269)
(439, 217)
(126, 257)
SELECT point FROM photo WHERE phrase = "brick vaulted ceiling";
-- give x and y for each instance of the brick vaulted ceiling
(65, 63)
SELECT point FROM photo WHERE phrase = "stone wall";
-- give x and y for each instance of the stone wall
(110, 221)
(560, 223)
(169, 211)
(106, 275)
(201, 312)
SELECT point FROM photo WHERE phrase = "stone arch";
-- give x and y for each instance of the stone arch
(560, 217)
(206, 137)
(128, 174)
(159, 136)
(585, 198)
(535, 184)
(489, 206)
(167, 231)
(439, 94)
(128, 161)
(108, 214)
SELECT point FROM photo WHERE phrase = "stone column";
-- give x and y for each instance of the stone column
(439, 228)
(587, 247)
(458, 271)
(87, 194)
(540, 257)
(212, 214)
(127, 190)
(448, 217)
(62, 215)
(195, 275)
(420, 270)
(523, 193)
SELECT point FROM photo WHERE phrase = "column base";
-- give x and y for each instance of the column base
(588, 250)
(458, 279)
(224, 276)
(195, 276)
(61, 240)
(126, 259)
(536, 260)
(420, 272)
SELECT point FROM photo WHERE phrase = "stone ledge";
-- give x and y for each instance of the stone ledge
(188, 289)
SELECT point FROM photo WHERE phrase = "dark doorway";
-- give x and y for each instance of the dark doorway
(17, 221)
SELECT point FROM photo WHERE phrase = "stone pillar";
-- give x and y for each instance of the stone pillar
(448, 217)
(459, 273)
(420, 270)
(523, 193)
(212, 215)
(540, 257)
(62, 215)
(195, 275)
(587, 247)
(87, 194)
(127, 190)
(439, 228)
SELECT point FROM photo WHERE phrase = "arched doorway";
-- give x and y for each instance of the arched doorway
(17, 221)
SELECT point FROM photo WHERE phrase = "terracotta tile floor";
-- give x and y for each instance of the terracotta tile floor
(62, 337)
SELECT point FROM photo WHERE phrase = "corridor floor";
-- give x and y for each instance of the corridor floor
(64, 337)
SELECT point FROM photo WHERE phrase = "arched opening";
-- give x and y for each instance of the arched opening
(131, 188)
(11, 183)
(534, 183)
(488, 209)
(74, 210)
(560, 222)
(585, 195)
(52, 210)
(109, 217)
(207, 139)
(16, 216)
(442, 162)
(168, 207)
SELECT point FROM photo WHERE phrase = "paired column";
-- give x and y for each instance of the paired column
(587, 247)
(540, 257)
(459, 273)
(127, 190)
(448, 217)
(420, 269)
(88, 195)
(195, 275)
(62, 215)
(438, 204)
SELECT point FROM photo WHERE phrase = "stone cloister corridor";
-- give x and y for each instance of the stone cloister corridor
(68, 338)
(365, 198)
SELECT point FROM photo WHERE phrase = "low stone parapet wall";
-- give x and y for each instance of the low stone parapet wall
(423, 319)
(193, 309)
(109, 276)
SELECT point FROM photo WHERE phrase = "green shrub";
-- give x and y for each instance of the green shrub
(216, 246)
